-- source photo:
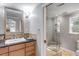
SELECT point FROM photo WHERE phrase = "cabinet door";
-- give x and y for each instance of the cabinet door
(30, 53)
(30, 49)
(31, 44)
(17, 53)
(3, 50)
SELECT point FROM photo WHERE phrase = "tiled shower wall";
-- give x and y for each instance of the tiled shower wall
(67, 39)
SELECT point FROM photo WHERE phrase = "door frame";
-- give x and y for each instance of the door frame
(44, 26)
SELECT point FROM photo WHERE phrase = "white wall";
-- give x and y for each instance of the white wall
(36, 27)
(26, 25)
(1, 20)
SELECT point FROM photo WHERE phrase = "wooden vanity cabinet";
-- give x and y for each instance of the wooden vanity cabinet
(21, 49)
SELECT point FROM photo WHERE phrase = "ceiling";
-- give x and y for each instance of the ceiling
(26, 7)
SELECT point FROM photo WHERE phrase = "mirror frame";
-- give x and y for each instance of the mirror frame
(5, 20)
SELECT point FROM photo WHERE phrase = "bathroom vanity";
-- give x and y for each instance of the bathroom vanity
(27, 48)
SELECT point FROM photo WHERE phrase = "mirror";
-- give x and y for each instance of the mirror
(13, 20)
(11, 24)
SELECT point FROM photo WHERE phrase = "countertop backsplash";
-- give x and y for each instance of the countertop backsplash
(2, 37)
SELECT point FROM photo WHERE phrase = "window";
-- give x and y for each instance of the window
(74, 24)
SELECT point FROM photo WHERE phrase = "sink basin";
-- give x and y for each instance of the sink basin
(13, 41)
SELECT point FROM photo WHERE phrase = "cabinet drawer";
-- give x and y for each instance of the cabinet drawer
(18, 53)
(16, 47)
(3, 50)
(30, 44)
(6, 54)
(30, 48)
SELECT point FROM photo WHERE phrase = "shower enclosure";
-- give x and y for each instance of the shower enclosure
(53, 35)
(60, 40)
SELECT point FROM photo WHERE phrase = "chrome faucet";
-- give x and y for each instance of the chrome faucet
(14, 36)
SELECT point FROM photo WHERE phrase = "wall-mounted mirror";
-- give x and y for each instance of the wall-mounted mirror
(13, 20)
(11, 24)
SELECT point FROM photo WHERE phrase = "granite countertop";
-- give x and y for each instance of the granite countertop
(2, 43)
